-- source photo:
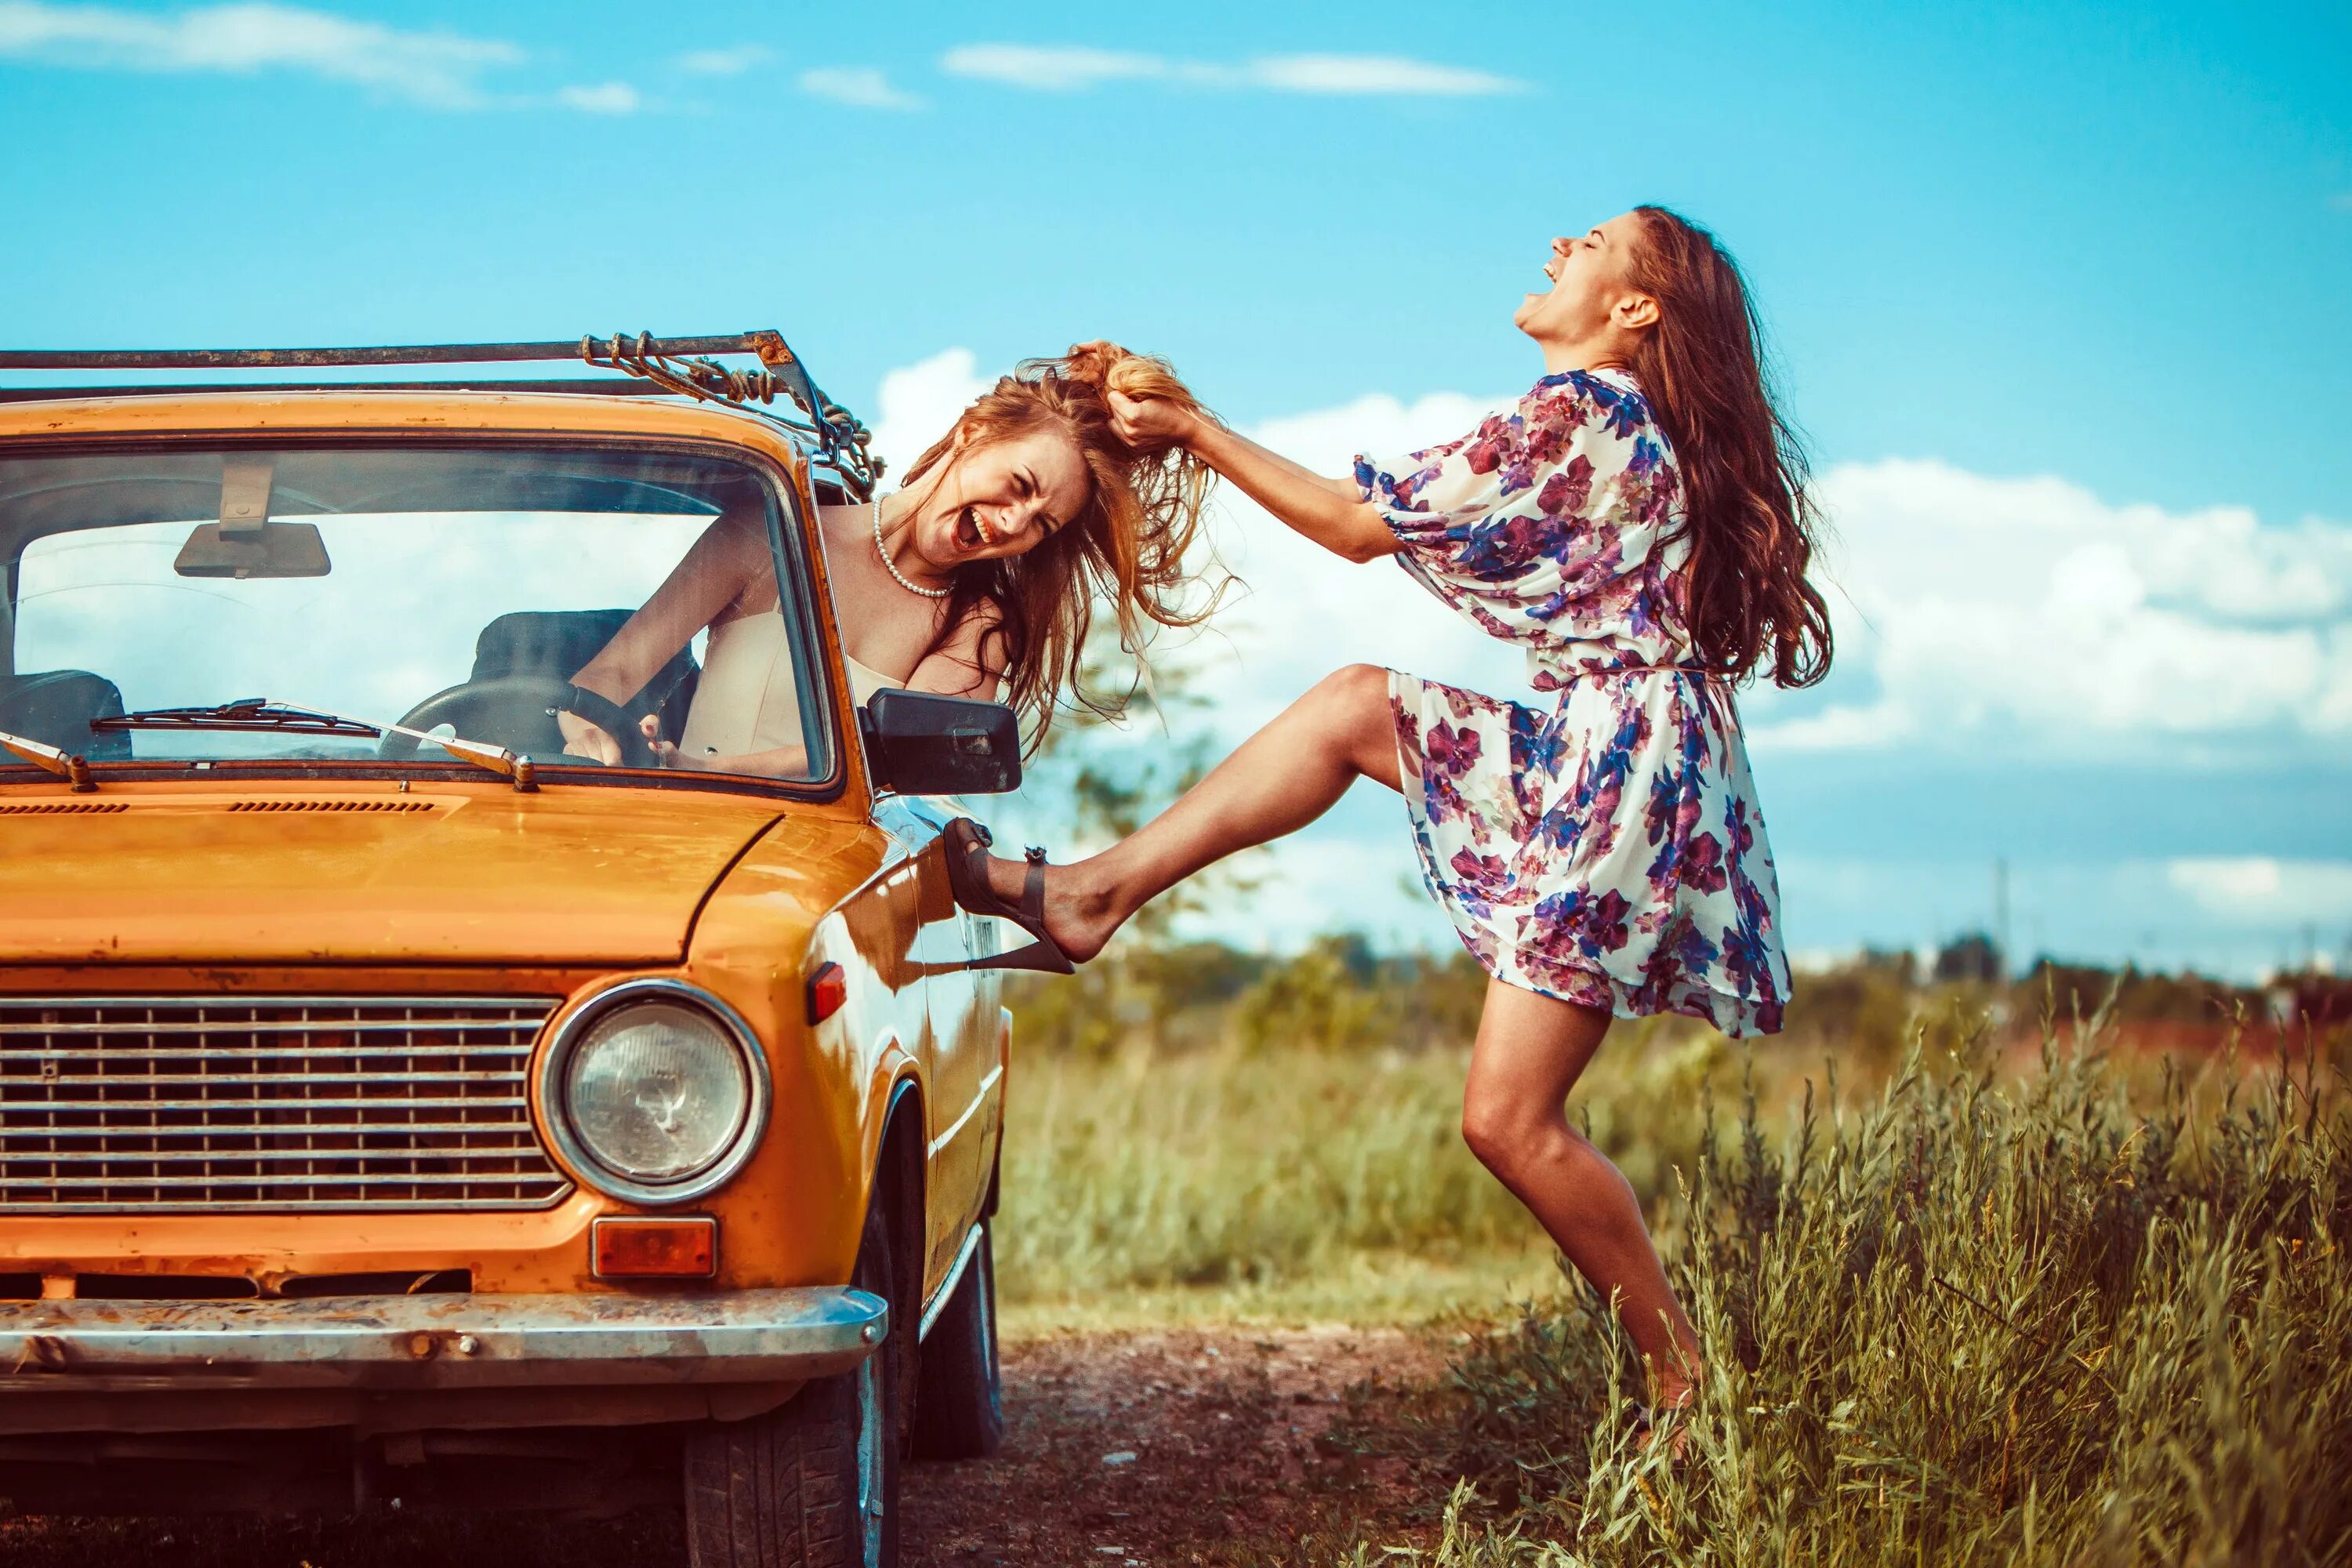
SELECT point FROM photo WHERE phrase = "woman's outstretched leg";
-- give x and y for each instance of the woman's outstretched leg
(1531, 1049)
(1279, 781)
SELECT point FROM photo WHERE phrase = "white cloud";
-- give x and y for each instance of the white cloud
(2281, 892)
(1377, 424)
(920, 402)
(1976, 605)
(732, 61)
(860, 85)
(1067, 68)
(1841, 727)
(1058, 68)
(439, 69)
(604, 97)
(1387, 75)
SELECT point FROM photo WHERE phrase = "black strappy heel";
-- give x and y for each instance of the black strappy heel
(967, 848)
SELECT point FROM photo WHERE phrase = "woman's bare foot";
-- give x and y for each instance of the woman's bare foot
(1080, 914)
(1673, 1431)
(1670, 1417)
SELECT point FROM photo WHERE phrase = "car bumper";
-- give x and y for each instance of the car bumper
(433, 1342)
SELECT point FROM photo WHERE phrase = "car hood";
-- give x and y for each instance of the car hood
(364, 874)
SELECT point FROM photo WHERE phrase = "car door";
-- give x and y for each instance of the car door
(958, 1048)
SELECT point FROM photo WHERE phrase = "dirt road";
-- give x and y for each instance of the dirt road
(1218, 1447)
(1181, 1448)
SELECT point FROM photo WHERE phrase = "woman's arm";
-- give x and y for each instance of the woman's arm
(710, 577)
(1329, 511)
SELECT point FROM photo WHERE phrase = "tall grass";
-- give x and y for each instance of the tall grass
(1229, 1167)
(1974, 1321)
(1960, 1306)
(1251, 1164)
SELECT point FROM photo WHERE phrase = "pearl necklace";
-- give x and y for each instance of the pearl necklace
(892, 566)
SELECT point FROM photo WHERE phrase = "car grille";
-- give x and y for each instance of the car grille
(163, 1104)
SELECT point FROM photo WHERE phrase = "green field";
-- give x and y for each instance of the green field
(2025, 1296)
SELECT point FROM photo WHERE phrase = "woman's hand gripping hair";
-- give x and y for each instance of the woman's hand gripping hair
(1329, 511)
(1153, 424)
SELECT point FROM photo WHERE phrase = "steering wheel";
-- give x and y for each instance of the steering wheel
(515, 705)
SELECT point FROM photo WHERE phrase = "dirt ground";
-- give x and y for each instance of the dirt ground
(1185, 1447)
(1222, 1448)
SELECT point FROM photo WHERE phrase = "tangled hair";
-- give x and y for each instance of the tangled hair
(1749, 514)
(1126, 546)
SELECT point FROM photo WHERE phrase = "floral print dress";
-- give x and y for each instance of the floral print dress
(1608, 849)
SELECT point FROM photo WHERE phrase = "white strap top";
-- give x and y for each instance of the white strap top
(749, 697)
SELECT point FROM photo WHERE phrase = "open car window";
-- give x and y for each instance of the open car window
(461, 591)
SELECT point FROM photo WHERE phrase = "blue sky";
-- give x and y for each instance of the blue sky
(2061, 294)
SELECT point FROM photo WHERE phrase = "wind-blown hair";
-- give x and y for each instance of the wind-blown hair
(1127, 545)
(1749, 512)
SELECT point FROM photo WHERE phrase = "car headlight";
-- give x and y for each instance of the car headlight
(655, 1091)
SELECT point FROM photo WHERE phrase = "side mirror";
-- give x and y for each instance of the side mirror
(922, 743)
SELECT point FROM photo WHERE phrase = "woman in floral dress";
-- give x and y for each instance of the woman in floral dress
(1639, 522)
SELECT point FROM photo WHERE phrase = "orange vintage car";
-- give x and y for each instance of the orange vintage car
(393, 1106)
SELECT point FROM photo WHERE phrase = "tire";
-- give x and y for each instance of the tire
(960, 1394)
(800, 1487)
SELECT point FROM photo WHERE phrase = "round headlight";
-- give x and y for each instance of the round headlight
(653, 1092)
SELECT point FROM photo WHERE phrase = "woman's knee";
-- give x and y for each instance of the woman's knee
(1355, 686)
(1510, 1137)
(1498, 1133)
(1351, 704)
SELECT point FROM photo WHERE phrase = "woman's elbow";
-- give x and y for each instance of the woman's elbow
(1365, 542)
(1354, 533)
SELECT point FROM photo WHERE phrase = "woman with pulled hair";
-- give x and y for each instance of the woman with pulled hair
(976, 577)
(1639, 521)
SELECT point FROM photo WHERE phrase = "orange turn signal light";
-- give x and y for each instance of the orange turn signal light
(653, 1248)
(828, 991)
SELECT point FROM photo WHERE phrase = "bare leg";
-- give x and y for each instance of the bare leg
(1279, 781)
(1532, 1050)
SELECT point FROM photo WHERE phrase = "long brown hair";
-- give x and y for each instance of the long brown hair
(1126, 546)
(1748, 508)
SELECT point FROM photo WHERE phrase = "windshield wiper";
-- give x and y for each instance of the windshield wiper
(244, 713)
(65, 764)
(252, 713)
(482, 755)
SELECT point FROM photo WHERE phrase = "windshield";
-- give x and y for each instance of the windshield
(590, 608)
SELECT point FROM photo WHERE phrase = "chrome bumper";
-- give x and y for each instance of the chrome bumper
(452, 1341)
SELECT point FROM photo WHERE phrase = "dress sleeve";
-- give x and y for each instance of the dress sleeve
(1569, 455)
(1421, 494)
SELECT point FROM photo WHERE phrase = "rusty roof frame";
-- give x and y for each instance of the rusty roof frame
(648, 366)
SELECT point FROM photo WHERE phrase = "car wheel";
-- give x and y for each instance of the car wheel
(960, 1394)
(814, 1484)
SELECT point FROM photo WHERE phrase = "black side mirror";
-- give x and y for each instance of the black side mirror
(922, 743)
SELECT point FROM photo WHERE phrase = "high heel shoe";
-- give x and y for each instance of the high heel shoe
(967, 850)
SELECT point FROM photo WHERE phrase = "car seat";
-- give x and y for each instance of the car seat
(55, 707)
(556, 643)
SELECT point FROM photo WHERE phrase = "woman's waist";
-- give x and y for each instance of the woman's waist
(1558, 668)
(1600, 680)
